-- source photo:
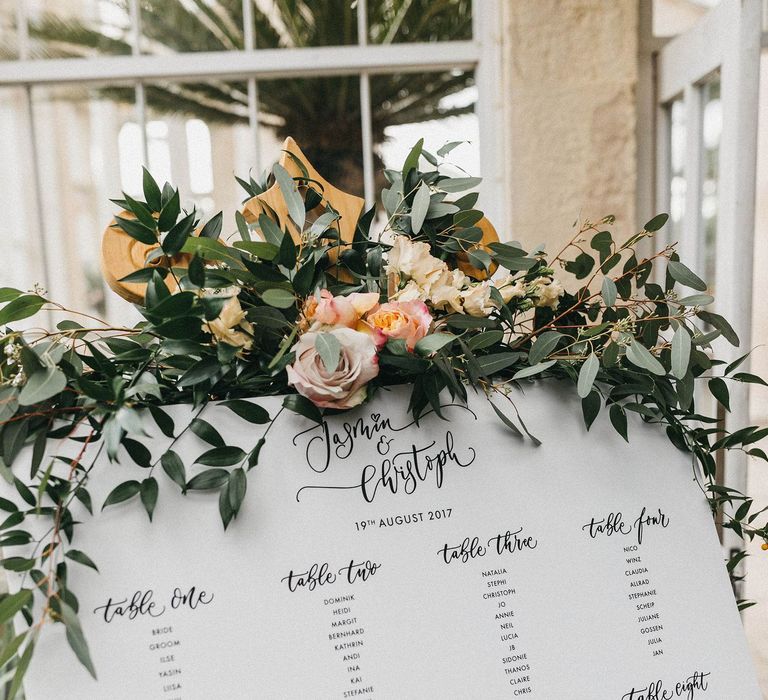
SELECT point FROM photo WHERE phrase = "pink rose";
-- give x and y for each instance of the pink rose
(342, 311)
(343, 387)
(404, 320)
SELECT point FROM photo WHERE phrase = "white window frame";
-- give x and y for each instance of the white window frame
(727, 39)
(482, 54)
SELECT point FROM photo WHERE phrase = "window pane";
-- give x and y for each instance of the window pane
(281, 24)
(323, 116)
(9, 45)
(711, 133)
(198, 137)
(85, 28)
(677, 180)
(179, 26)
(396, 21)
(78, 136)
(22, 252)
(440, 107)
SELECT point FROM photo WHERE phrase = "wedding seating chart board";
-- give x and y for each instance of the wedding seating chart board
(374, 558)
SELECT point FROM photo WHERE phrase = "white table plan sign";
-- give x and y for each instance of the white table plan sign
(377, 558)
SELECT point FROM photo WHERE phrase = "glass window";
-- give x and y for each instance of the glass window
(398, 21)
(677, 177)
(711, 134)
(282, 24)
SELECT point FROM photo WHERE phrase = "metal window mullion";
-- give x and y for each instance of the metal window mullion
(491, 115)
(140, 91)
(249, 43)
(261, 63)
(22, 23)
(366, 122)
(690, 243)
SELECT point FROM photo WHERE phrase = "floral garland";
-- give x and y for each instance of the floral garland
(290, 307)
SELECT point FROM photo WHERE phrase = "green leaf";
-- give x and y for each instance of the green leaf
(412, 160)
(590, 408)
(640, 356)
(135, 229)
(247, 410)
(176, 238)
(151, 190)
(270, 230)
(42, 385)
(170, 212)
(303, 406)
(174, 468)
(22, 307)
(9, 294)
(163, 420)
(149, 495)
(17, 564)
(287, 254)
(619, 420)
(253, 455)
(656, 223)
(681, 352)
(259, 249)
(81, 558)
(238, 484)
(122, 492)
(76, 638)
(290, 192)
(10, 649)
(718, 322)
(22, 667)
(207, 480)
(609, 291)
(505, 419)
(485, 339)
(420, 207)
(329, 349)
(279, 298)
(205, 431)
(242, 226)
(587, 375)
(433, 342)
(138, 452)
(543, 346)
(13, 603)
(212, 228)
(221, 456)
(535, 369)
(719, 390)
(686, 277)
(497, 361)
(459, 184)
(696, 300)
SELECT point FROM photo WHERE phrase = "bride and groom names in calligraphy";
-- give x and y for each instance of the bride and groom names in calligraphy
(397, 470)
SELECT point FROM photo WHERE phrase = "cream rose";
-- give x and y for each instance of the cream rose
(510, 289)
(413, 260)
(477, 299)
(446, 291)
(547, 291)
(345, 386)
(404, 320)
(230, 326)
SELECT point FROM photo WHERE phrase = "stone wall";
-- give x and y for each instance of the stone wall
(572, 75)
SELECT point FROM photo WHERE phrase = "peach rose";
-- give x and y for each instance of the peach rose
(345, 386)
(405, 320)
(342, 310)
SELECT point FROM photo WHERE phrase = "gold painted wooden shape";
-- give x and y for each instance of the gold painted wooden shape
(348, 206)
(489, 236)
(121, 255)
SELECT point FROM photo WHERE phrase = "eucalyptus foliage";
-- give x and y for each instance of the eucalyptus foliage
(631, 333)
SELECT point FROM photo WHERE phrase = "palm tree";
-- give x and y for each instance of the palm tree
(315, 111)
